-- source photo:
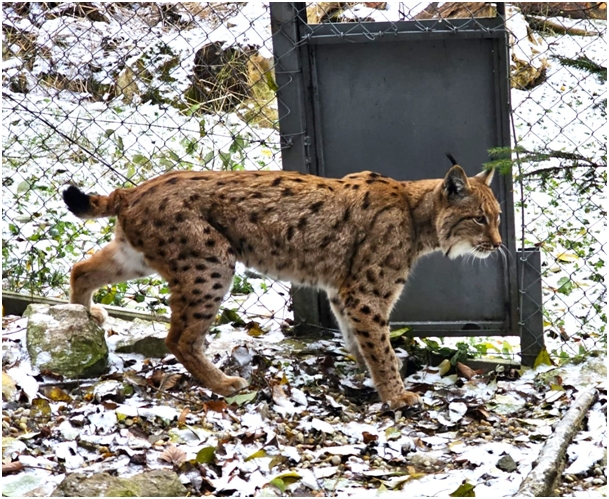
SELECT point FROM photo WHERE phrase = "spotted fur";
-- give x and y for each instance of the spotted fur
(355, 237)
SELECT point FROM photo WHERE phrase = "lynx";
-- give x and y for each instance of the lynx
(357, 238)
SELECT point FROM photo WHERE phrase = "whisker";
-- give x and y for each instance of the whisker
(505, 248)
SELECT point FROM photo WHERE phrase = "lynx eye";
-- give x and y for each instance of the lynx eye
(480, 220)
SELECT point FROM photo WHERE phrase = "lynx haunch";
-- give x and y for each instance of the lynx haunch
(355, 237)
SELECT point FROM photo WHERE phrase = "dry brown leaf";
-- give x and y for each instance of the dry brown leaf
(465, 371)
(173, 455)
(156, 378)
(14, 467)
(169, 381)
(369, 437)
(183, 414)
(215, 405)
(279, 396)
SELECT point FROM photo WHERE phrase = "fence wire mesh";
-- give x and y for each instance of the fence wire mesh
(106, 95)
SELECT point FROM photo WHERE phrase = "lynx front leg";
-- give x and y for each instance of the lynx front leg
(197, 287)
(369, 319)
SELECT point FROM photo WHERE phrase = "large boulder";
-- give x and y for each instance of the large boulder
(66, 340)
(157, 483)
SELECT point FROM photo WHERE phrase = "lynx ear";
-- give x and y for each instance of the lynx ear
(486, 176)
(455, 182)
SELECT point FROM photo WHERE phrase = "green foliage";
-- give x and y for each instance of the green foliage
(241, 286)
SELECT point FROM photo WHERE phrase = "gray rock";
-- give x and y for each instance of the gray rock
(145, 338)
(66, 340)
(156, 483)
(507, 464)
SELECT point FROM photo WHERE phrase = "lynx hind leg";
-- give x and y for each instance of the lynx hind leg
(368, 318)
(197, 286)
(116, 262)
(347, 331)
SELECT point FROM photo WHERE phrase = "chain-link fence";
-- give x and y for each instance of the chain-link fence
(106, 95)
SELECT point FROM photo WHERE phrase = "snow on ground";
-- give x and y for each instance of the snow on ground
(308, 416)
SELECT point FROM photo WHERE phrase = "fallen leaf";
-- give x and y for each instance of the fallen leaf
(465, 371)
(279, 396)
(215, 405)
(14, 467)
(412, 471)
(456, 411)
(169, 381)
(393, 433)
(9, 389)
(56, 394)
(254, 329)
(206, 455)
(277, 460)
(444, 367)
(259, 453)
(40, 410)
(182, 417)
(156, 378)
(229, 316)
(173, 455)
(542, 359)
(464, 490)
(241, 399)
(369, 437)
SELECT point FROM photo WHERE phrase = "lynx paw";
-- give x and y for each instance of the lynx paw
(405, 399)
(99, 314)
(230, 385)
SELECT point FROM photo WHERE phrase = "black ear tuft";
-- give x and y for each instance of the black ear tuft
(452, 158)
(456, 183)
(77, 201)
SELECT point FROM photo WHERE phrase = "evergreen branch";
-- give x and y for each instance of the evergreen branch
(585, 64)
(558, 169)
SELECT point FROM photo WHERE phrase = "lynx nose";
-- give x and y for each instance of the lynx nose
(496, 243)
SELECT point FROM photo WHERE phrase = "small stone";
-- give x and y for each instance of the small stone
(506, 463)
(569, 478)
(599, 481)
(335, 460)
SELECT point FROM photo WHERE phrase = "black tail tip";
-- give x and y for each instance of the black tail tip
(452, 158)
(77, 201)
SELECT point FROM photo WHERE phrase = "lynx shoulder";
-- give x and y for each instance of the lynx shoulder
(355, 237)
